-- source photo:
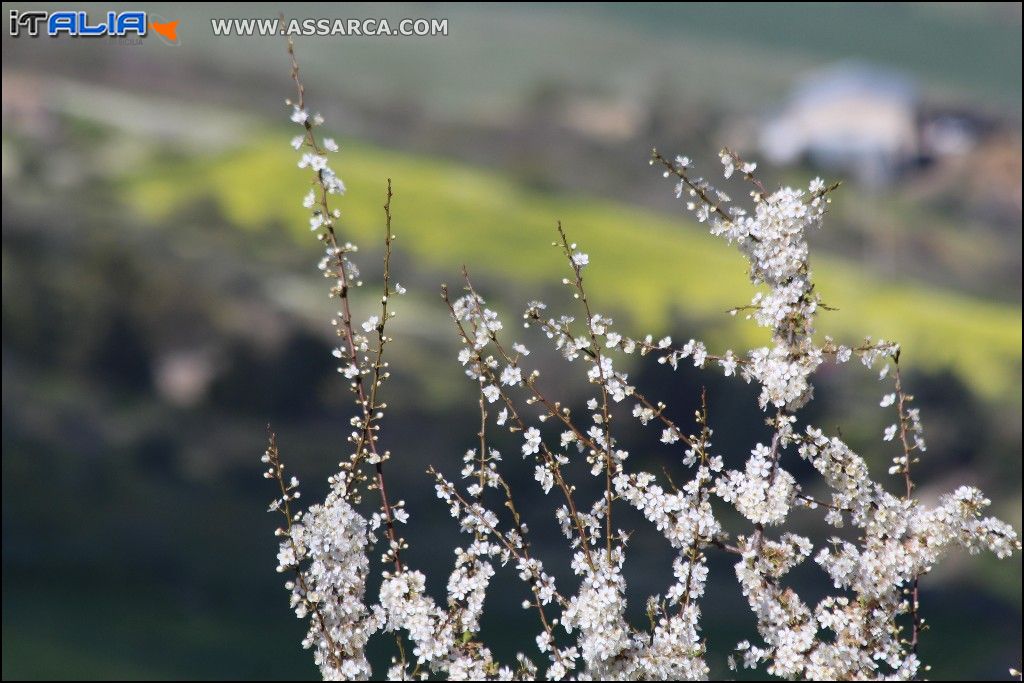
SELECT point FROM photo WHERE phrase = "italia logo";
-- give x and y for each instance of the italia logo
(80, 24)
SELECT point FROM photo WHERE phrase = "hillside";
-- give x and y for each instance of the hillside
(450, 214)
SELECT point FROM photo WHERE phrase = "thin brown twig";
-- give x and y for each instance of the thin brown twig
(606, 417)
(901, 401)
(367, 439)
(695, 186)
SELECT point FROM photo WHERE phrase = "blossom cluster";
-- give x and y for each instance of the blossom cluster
(868, 629)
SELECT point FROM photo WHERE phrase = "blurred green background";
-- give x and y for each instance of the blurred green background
(161, 304)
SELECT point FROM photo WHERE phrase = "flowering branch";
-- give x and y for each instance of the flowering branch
(856, 633)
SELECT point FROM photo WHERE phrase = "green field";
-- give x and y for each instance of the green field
(651, 268)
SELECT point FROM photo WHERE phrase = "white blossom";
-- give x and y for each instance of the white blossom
(584, 633)
(532, 444)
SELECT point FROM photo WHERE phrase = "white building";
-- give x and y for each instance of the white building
(850, 117)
